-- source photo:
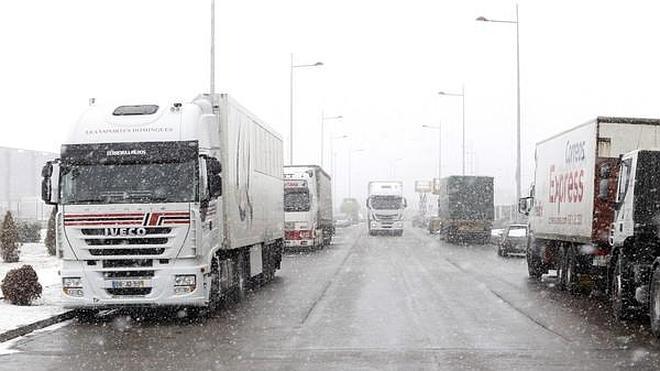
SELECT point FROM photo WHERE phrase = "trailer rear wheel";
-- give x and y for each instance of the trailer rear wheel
(654, 302)
(571, 276)
(621, 290)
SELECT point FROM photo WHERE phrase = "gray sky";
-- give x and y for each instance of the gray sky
(384, 63)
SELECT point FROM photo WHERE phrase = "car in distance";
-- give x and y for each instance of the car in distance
(342, 220)
(513, 240)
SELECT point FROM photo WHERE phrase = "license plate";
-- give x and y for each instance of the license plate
(125, 284)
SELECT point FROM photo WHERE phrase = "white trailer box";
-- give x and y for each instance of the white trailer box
(307, 206)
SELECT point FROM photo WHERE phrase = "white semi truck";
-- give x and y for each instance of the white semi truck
(307, 207)
(385, 205)
(166, 204)
(593, 212)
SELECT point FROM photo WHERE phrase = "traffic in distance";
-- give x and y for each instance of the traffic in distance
(196, 234)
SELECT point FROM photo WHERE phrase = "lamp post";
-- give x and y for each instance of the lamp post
(323, 120)
(462, 95)
(439, 129)
(517, 23)
(292, 67)
(350, 155)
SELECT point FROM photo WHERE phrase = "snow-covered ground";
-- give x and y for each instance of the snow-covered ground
(46, 266)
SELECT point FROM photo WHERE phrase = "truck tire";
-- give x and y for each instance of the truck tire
(534, 263)
(215, 290)
(240, 285)
(571, 280)
(621, 290)
(654, 301)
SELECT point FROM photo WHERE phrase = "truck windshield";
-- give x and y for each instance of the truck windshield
(385, 202)
(129, 183)
(296, 199)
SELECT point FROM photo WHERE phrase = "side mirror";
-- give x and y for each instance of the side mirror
(213, 165)
(523, 207)
(47, 184)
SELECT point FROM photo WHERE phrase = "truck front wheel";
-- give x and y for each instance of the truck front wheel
(654, 302)
(534, 264)
(621, 290)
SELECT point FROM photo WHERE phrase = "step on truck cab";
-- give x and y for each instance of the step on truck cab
(308, 218)
(167, 203)
(593, 212)
(385, 206)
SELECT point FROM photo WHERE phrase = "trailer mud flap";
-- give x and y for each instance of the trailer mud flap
(256, 264)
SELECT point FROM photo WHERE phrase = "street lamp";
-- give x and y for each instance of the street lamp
(517, 23)
(462, 95)
(439, 129)
(323, 120)
(292, 67)
(350, 155)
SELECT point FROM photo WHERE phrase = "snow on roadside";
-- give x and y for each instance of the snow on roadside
(46, 266)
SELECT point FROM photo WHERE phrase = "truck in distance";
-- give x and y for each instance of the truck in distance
(351, 208)
(592, 212)
(166, 204)
(465, 208)
(308, 218)
(385, 205)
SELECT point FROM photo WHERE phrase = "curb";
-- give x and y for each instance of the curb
(26, 329)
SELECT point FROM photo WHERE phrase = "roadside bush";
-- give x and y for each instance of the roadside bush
(9, 246)
(21, 285)
(29, 231)
(50, 233)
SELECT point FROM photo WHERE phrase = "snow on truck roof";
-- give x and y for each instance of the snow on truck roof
(149, 120)
(607, 120)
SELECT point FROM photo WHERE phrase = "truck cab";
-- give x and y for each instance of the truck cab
(385, 206)
(635, 237)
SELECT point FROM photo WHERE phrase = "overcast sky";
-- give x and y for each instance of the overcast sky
(384, 61)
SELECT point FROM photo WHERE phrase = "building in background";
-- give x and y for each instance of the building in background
(20, 183)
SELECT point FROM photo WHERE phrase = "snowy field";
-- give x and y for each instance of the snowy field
(46, 266)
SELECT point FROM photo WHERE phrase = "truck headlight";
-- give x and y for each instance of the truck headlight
(71, 282)
(184, 283)
(72, 286)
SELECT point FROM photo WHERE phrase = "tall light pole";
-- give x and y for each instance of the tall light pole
(517, 23)
(462, 95)
(439, 129)
(350, 170)
(324, 118)
(292, 67)
(332, 165)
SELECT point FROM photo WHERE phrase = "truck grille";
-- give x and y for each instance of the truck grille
(151, 241)
(385, 217)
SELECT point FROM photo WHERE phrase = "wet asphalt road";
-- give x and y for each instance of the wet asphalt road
(410, 302)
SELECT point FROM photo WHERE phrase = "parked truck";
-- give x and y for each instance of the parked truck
(465, 208)
(308, 218)
(166, 204)
(593, 212)
(385, 205)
